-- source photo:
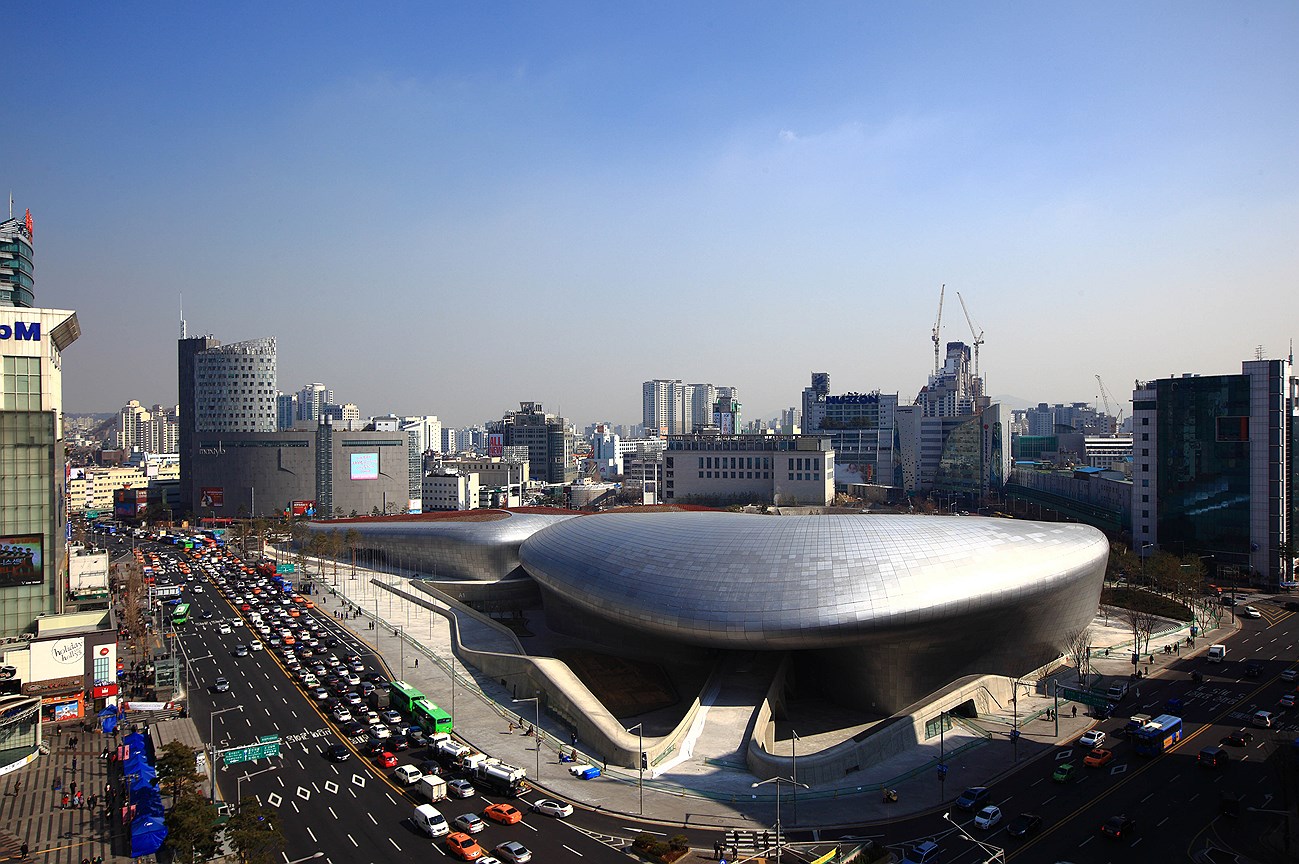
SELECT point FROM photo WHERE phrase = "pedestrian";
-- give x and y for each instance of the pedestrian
(573, 740)
(1075, 711)
(65, 800)
(74, 763)
(416, 662)
(72, 787)
(23, 850)
(58, 783)
(18, 786)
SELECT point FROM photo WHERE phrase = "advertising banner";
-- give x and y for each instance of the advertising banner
(303, 508)
(22, 560)
(365, 466)
(212, 497)
(496, 445)
(88, 573)
(415, 506)
(58, 658)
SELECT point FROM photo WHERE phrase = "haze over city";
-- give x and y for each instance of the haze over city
(450, 209)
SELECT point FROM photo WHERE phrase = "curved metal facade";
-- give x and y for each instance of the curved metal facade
(479, 551)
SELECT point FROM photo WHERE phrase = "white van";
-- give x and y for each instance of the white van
(427, 819)
(1217, 653)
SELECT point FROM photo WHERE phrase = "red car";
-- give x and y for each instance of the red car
(464, 847)
(386, 760)
(1098, 758)
(503, 813)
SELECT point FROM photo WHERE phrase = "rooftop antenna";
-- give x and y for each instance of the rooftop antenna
(182, 314)
(938, 324)
(11, 203)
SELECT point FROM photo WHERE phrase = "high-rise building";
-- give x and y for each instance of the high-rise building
(32, 515)
(152, 430)
(548, 439)
(286, 410)
(17, 283)
(1214, 468)
(311, 402)
(234, 387)
(187, 351)
(669, 407)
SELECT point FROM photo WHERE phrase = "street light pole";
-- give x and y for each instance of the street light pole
(536, 728)
(777, 780)
(211, 740)
(995, 853)
(640, 737)
(793, 743)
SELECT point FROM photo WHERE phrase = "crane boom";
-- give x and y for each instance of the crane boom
(938, 324)
(1105, 398)
(974, 331)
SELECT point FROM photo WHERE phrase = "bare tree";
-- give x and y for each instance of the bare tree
(1143, 624)
(1077, 642)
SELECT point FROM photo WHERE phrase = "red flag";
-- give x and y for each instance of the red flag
(29, 222)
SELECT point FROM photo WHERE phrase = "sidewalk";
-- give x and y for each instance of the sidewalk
(31, 810)
(708, 793)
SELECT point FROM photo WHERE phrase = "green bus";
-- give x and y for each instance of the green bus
(180, 615)
(408, 700)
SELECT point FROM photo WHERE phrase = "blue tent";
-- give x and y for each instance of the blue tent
(147, 835)
(108, 720)
(148, 830)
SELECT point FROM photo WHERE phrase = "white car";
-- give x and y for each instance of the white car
(255, 645)
(342, 714)
(1092, 738)
(380, 732)
(470, 823)
(551, 807)
(407, 775)
(461, 789)
(988, 817)
(1251, 612)
(223, 627)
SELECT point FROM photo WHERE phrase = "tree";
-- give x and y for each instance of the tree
(1077, 642)
(1143, 624)
(177, 771)
(353, 539)
(192, 828)
(255, 833)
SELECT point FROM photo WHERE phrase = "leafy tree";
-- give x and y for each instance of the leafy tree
(177, 771)
(255, 833)
(192, 828)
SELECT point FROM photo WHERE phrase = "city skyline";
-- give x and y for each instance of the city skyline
(575, 201)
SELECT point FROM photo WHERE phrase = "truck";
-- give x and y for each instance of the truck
(378, 699)
(468, 762)
(431, 788)
(499, 777)
(449, 751)
(1217, 653)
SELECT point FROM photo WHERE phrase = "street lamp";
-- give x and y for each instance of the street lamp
(536, 728)
(778, 780)
(793, 744)
(239, 800)
(211, 740)
(994, 853)
(640, 736)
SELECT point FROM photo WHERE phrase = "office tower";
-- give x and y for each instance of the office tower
(187, 349)
(549, 442)
(814, 400)
(234, 387)
(17, 284)
(286, 410)
(450, 440)
(1213, 468)
(32, 517)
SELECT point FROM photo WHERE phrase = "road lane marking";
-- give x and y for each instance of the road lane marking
(332, 813)
(354, 843)
(394, 844)
(574, 851)
(372, 819)
(312, 835)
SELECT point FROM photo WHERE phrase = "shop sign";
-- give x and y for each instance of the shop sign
(102, 690)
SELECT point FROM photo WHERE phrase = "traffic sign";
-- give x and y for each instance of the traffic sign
(251, 753)
(942, 770)
(268, 739)
(285, 568)
(92, 514)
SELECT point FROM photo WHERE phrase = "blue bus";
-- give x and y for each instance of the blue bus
(1158, 736)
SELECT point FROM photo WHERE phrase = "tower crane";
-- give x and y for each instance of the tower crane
(938, 323)
(1105, 398)
(975, 332)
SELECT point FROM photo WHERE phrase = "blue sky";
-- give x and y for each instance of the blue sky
(449, 208)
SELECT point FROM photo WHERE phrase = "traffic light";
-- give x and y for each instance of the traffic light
(644, 761)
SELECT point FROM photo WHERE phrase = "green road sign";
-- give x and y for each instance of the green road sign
(285, 568)
(1086, 697)
(92, 514)
(268, 739)
(252, 752)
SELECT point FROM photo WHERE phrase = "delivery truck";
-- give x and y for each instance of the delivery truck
(500, 778)
(431, 788)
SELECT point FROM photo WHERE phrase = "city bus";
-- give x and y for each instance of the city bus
(1158, 736)
(403, 697)
(431, 718)
(180, 615)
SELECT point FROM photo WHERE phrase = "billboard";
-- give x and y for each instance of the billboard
(365, 466)
(22, 560)
(496, 445)
(303, 508)
(415, 505)
(57, 659)
(88, 573)
(212, 497)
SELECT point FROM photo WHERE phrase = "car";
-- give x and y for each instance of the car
(221, 685)
(245, 607)
(320, 694)
(352, 679)
(255, 646)
(1098, 758)
(337, 753)
(342, 715)
(386, 760)
(407, 775)
(390, 716)
(353, 698)
(1064, 773)
(1092, 738)
(431, 768)
(356, 727)
(988, 817)
(1239, 738)
(1253, 669)
(377, 679)
(1024, 825)
(1262, 719)
(207, 615)
(974, 798)
(470, 823)
(505, 814)
(1251, 612)
(461, 789)
(1116, 827)
(416, 737)
(224, 628)
(1287, 700)
(241, 651)
(367, 688)
(551, 807)
(380, 732)
(1228, 601)
(513, 851)
(925, 852)
(398, 742)
(1117, 692)
(1289, 674)
(464, 847)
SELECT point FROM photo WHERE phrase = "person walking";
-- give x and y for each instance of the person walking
(65, 800)
(1074, 710)
(18, 786)
(23, 850)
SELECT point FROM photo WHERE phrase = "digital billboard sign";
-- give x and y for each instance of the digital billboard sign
(365, 466)
(303, 508)
(22, 560)
(212, 497)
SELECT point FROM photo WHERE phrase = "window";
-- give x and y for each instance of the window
(1145, 499)
(21, 384)
(1145, 514)
(1145, 421)
(1145, 451)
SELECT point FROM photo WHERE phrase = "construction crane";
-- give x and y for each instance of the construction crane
(1105, 398)
(938, 324)
(975, 332)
